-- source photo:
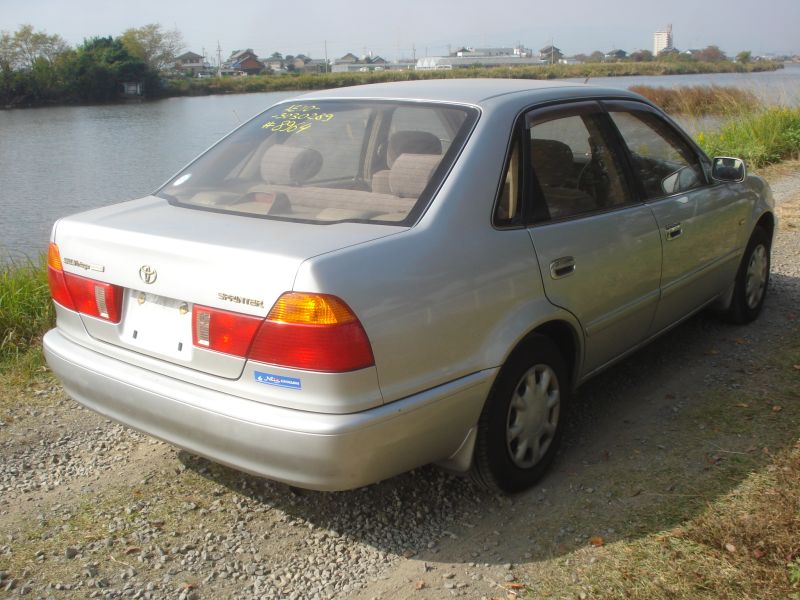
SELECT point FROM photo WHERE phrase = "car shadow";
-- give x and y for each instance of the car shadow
(650, 443)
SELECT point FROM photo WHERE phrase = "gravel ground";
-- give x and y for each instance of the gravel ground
(91, 509)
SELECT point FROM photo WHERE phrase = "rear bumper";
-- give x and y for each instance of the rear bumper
(305, 449)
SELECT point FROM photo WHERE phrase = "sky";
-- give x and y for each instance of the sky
(423, 27)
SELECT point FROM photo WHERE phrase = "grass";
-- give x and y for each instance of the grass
(700, 100)
(314, 81)
(761, 138)
(26, 313)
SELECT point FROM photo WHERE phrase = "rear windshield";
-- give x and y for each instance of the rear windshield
(329, 161)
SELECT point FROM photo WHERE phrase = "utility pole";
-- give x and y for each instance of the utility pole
(219, 60)
(414, 51)
(325, 42)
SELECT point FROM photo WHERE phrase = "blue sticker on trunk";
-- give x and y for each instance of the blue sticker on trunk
(279, 380)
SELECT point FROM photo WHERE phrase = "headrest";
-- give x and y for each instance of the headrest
(412, 142)
(289, 165)
(410, 174)
(552, 161)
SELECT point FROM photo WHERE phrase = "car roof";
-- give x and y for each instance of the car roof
(468, 91)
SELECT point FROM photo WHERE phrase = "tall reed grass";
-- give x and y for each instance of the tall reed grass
(761, 138)
(700, 100)
(26, 311)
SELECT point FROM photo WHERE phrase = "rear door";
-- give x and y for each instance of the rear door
(598, 248)
(699, 223)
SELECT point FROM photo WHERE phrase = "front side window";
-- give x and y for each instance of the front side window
(663, 162)
(575, 168)
(328, 161)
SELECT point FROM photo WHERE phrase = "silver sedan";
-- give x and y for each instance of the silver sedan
(361, 281)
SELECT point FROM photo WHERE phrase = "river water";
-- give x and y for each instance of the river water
(58, 161)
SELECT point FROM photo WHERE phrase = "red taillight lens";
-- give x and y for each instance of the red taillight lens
(314, 332)
(223, 331)
(87, 296)
(331, 348)
(95, 298)
(55, 277)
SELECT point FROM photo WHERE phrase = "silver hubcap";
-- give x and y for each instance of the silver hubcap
(756, 280)
(532, 416)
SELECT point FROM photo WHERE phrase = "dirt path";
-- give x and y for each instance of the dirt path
(91, 509)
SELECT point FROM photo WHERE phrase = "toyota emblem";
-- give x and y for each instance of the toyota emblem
(148, 274)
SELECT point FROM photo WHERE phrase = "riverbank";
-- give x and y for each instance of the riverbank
(168, 88)
(316, 81)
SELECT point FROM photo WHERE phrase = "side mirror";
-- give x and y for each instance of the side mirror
(725, 168)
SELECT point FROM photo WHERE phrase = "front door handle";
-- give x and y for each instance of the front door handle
(561, 267)
(674, 231)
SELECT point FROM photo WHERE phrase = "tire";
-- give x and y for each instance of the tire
(521, 425)
(752, 279)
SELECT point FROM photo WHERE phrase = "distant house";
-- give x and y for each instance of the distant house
(550, 54)
(295, 63)
(245, 61)
(348, 58)
(435, 63)
(191, 64)
(316, 65)
(276, 65)
(376, 60)
(616, 55)
(520, 51)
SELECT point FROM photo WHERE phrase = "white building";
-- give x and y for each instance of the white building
(662, 40)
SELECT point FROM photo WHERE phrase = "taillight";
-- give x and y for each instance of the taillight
(87, 296)
(222, 330)
(315, 332)
(95, 298)
(55, 277)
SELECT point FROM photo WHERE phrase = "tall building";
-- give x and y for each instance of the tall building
(662, 40)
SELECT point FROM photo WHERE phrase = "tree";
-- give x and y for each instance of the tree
(711, 54)
(641, 56)
(596, 56)
(276, 56)
(744, 56)
(156, 47)
(25, 46)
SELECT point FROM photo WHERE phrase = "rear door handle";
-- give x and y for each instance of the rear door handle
(674, 231)
(561, 267)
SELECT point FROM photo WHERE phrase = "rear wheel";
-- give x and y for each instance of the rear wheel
(752, 279)
(521, 424)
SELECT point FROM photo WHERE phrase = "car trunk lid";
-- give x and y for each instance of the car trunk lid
(168, 259)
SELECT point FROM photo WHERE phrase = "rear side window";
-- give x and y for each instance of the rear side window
(663, 162)
(575, 168)
(329, 161)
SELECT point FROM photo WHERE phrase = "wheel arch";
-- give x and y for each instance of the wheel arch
(767, 222)
(565, 337)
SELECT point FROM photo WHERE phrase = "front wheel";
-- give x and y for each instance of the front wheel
(521, 424)
(752, 279)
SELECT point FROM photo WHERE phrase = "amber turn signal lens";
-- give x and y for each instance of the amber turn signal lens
(301, 308)
(54, 257)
